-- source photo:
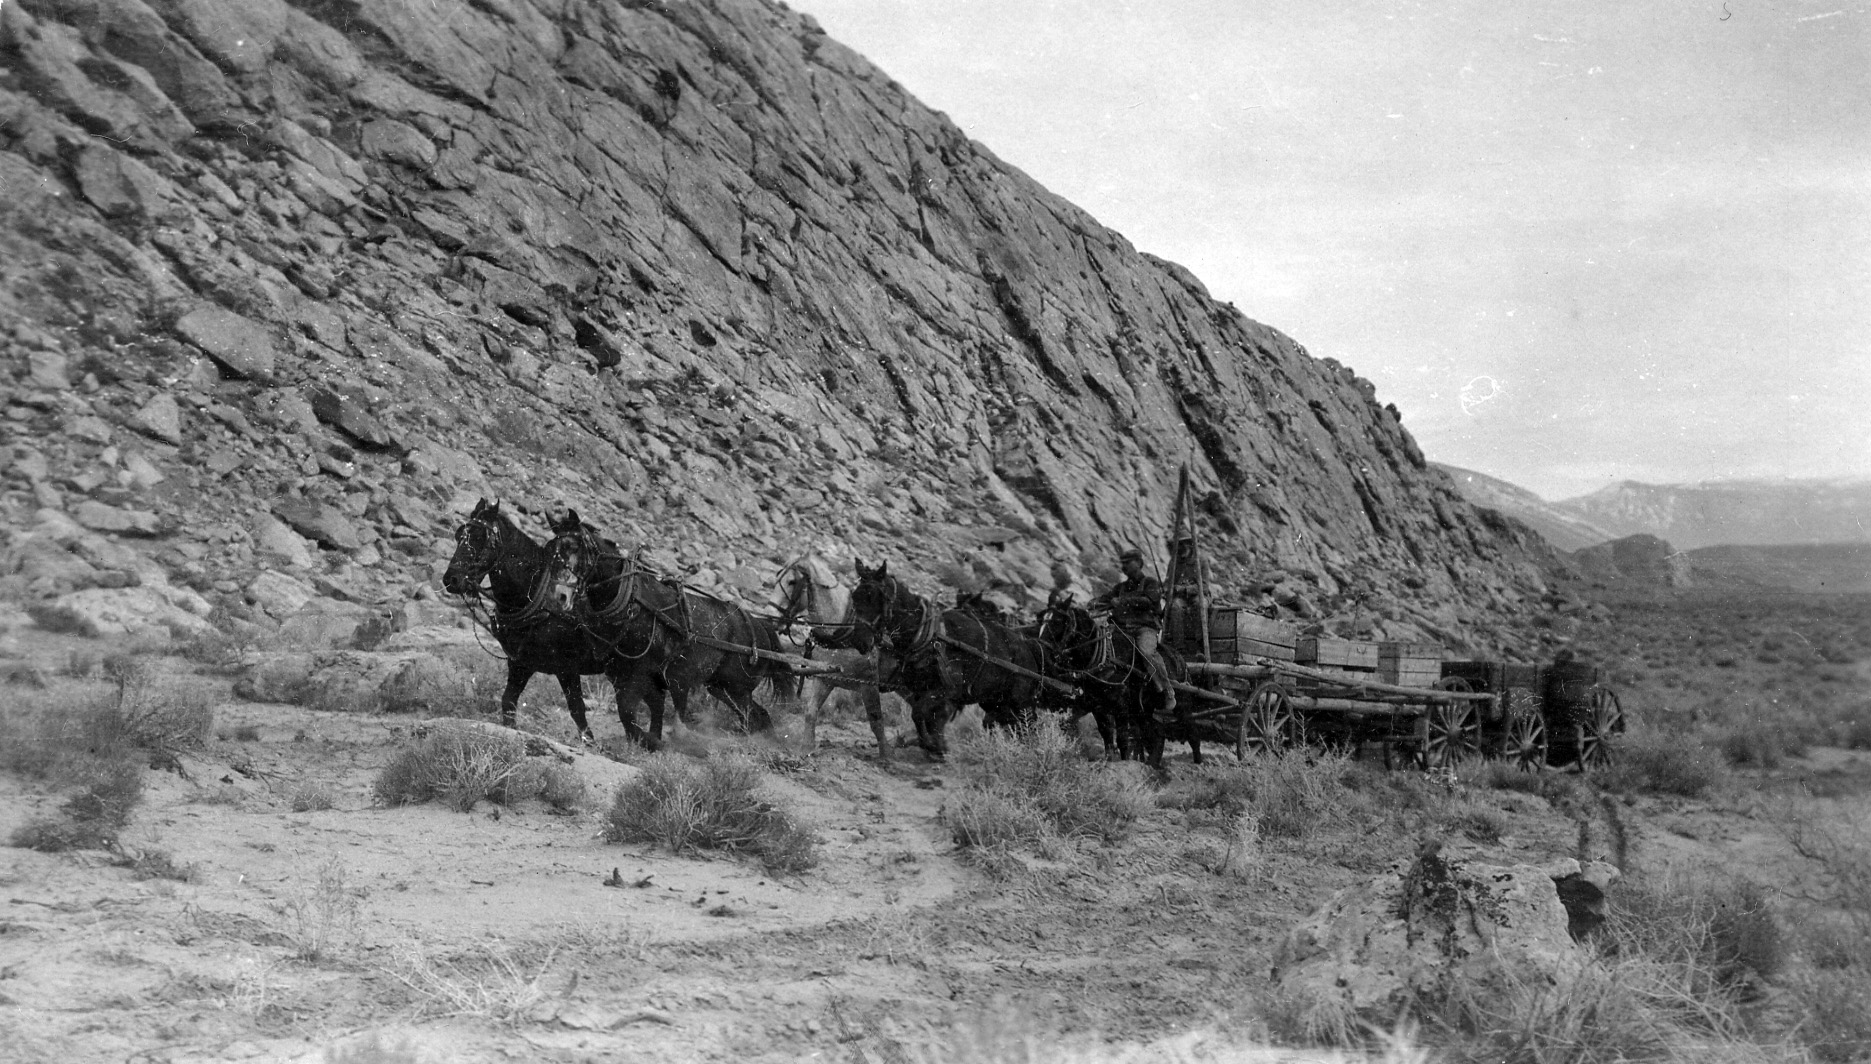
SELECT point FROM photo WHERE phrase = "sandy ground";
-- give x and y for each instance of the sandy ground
(518, 933)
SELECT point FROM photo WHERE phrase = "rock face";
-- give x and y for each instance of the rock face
(695, 268)
(1450, 925)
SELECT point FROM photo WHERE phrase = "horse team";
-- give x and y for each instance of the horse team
(578, 606)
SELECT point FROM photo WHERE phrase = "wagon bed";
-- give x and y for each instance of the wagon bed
(1264, 687)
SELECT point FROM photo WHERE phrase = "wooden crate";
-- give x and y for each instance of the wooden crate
(1409, 664)
(1236, 635)
(1336, 653)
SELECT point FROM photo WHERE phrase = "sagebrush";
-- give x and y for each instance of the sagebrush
(717, 804)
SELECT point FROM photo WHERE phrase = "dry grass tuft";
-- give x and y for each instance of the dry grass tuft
(462, 766)
(322, 917)
(1649, 761)
(1034, 788)
(718, 804)
(495, 986)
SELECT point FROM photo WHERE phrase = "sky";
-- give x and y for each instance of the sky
(1575, 243)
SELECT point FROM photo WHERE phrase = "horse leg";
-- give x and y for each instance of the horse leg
(629, 687)
(874, 712)
(925, 710)
(574, 688)
(1107, 733)
(517, 675)
(1188, 730)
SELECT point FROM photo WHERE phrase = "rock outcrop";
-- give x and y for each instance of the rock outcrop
(290, 284)
(1634, 562)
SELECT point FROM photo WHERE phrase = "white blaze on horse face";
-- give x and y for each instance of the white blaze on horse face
(565, 581)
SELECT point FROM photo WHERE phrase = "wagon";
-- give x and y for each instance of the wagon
(1263, 687)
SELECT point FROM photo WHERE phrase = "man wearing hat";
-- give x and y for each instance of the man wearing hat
(1136, 605)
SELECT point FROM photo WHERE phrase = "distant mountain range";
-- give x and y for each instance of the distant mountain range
(1562, 528)
(1688, 516)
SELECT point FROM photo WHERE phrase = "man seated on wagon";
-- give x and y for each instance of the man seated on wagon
(1136, 605)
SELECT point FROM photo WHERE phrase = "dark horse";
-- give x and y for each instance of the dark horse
(942, 657)
(531, 628)
(657, 633)
(1114, 683)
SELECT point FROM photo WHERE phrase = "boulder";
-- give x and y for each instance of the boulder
(349, 414)
(240, 345)
(428, 613)
(1449, 925)
(323, 624)
(278, 594)
(276, 677)
(153, 609)
(318, 522)
(274, 541)
(101, 517)
(160, 417)
(116, 184)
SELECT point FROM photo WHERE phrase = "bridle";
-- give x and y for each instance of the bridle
(483, 558)
(625, 602)
(898, 604)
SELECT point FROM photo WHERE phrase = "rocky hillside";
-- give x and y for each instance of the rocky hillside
(1732, 512)
(289, 285)
(1562, 529)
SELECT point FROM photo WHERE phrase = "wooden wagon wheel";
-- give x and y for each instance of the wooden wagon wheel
(1266, 722)
(1526, 740)
(1453, 732)
(1602, 718)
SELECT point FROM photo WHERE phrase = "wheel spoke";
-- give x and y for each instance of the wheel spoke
(1604, 717)
(1526, 741)
(1453, 732)
(1266, 722)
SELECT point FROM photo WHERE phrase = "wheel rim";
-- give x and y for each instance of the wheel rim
(1453, 733)
(1526, 742)
(1604, 717)
(1266, 722)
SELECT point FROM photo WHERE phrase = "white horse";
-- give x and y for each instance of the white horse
(809, 596)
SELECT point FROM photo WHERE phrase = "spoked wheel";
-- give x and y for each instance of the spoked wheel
(1526, 741)
(1603, 717)
(1267, 723)
(1453, 733)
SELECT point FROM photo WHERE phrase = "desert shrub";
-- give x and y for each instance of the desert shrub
(320, 917)
(493, 986)
(55, 618)
(152, 863)
(718, 804)
(1836, 1026)
(1653, 762)
(987, 818)
(307, 797)
(1751, 745)
(1478, 822)
(43, 735)
(1502, 776)
(1713, 933)
(246, 733)
(462, 766)
(1041, 768)
(92, 818)
(160, 712)
(434, 688)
